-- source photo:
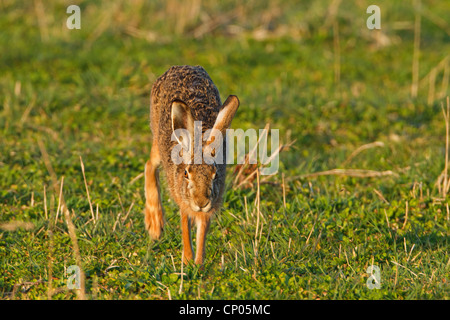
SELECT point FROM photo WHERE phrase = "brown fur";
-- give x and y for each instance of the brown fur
(197, 99)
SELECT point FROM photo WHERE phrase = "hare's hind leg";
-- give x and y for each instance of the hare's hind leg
(154, 213)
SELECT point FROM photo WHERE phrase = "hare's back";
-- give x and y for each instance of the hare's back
(193, 86)
(190, 84)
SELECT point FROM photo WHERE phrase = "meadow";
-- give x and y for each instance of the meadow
(363, 178)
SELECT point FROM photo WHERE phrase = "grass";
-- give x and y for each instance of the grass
(75, 137)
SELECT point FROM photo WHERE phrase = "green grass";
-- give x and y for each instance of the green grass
(85, 93)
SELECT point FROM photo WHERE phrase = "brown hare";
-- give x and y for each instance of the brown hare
(181, 96)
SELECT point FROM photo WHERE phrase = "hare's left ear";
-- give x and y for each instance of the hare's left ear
(226, 114)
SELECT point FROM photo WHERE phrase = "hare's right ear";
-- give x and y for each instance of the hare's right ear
(226, 114)
(182, 124)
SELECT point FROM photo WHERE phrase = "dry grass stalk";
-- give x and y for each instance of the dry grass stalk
(316, 244)
(17, 88)
(14, 225)
(440, 22)
(388, 224)
(59, 200)
(81, 293)
(331, 20)
(214, 23)
(410, 252)
(139, 176)
(48, 165)
(416, 52)
(398, 264)
(362, 148)
(50, 266)
(182, 13)
(182, 273)
(406, 215)
(128, 213)
(442, 67)
(51, 227)
(25, 287)
(443, 179)
(431, 86)
(106, 20)
(245, 174)
(331, 14)
(380, 195)
(310, 233)
(447, 129)
(87, 189)
(246, 167)
(45, 203)
(147, 35)
(337, 57)
(258, 214)
(356, 173)
(42, 20)
(445, 78)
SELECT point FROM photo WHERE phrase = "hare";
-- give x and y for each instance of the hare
(181, 96)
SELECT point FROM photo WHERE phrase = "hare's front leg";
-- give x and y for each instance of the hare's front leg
(186, 237)
(154, 213)
(202, 230)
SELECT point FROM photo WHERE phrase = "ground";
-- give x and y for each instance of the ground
(75, 136)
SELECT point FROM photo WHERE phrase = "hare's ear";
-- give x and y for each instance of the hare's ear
(226, 114)
(182, 124)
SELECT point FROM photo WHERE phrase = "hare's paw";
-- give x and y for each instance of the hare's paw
(187, 258)
(154, 222)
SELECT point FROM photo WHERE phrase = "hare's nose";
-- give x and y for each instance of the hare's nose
(202, 204)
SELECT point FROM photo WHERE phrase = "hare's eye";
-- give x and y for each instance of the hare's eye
(186, 175)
